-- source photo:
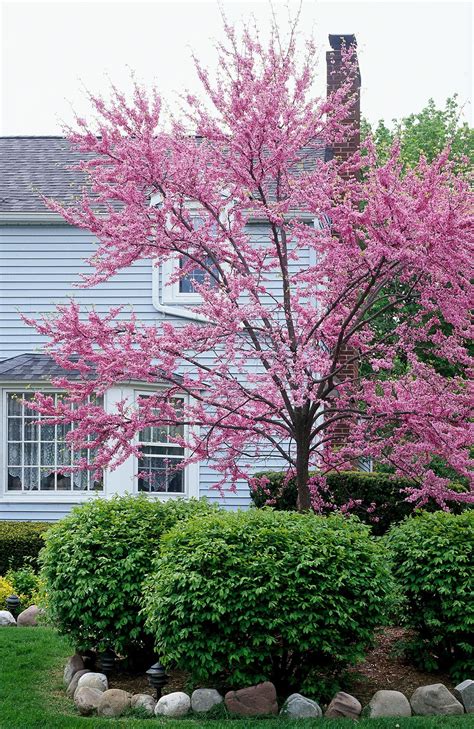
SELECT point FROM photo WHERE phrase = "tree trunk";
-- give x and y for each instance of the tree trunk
(303, 502)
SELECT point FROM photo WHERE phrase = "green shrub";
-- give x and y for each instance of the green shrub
(94, 564)
(20, 543)
(6, 589)
(241, 597)
(433, 561)
(26, 584)
(381, 496)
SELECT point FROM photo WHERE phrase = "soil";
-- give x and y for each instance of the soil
(384, 668)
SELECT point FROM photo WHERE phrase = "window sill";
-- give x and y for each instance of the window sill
(42, 496)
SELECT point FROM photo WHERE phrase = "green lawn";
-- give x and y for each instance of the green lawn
(32, 695)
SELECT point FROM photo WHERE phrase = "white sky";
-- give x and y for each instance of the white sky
(408, 51)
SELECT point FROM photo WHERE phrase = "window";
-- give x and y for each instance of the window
(196, 274)
(36, 450)
(159, 458)
(183, 291)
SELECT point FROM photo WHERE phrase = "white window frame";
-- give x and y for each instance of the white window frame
(190, 472)
(171, 292)
(59, 496)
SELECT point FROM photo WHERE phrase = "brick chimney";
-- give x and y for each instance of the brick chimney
(342, 151)
(335, 77)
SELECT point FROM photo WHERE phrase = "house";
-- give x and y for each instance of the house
(41, 260)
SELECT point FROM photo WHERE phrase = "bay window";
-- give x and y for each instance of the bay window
(36, 449)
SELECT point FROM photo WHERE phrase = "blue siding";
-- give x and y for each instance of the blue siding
(39, 267)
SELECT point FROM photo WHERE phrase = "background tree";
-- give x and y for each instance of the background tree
(268, 362)
(426, 133)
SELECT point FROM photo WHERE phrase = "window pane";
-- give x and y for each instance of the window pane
(80, 481)
(47, 454)
(30, 454)
(63, 428)
(64, 455)
(14, 454)
(47, 433)
(161, 477)
(14, 479)
(176, 482)
(30, 476)
(47, 480)
(196, 275)
(30, 429)
(63, 481)
(97, 485)
(14, 404)
(14, 429)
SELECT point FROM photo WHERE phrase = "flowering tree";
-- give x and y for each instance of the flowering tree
(285, 345)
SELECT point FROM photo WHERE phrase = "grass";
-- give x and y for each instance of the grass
(32, 695)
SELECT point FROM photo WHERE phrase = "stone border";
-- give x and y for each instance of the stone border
(91, 694)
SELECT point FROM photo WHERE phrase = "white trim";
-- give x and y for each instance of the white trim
(170, 309)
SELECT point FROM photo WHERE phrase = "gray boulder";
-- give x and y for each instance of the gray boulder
(74, 664)
(205, 699)
(299, 707)
(175, 704)
(435, 699)
(113, 703)
(464, 692)
(87, 700)
(29, 617)
(94, 680)
(144, 703)
(71, 689)
(388, 704)
(344, 706)
(6, 619)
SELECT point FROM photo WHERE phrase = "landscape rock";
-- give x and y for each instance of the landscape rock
(464, 692)
(389, 704)
(435, 699)
(144, 703)
(94, 680)
(205, 699)
(28, 618)
(344, 705)
(175, 704)
(74, 664)
(87, 700)
(258, 700)
(71, 689)
(113, 703)
(6, 619)
(299, 707)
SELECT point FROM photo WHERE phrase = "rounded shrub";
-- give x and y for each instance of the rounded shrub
(94, 565)
(433, 561)
(241, 597)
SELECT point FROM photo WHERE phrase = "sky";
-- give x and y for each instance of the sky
(52, 51)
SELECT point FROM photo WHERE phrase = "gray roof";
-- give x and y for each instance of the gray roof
(42, 367)
(33, 368)
(34, 166)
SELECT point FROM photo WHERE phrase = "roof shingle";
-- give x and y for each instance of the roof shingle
(35, 166)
